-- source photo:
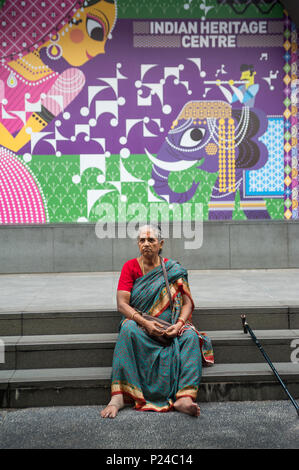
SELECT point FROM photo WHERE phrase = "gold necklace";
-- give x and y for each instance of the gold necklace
(29, 71)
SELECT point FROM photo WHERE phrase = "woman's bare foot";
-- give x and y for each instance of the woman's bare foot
(115, 404)
(188, 406)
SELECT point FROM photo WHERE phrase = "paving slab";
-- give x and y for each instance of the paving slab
(210, 288)
(224, 425)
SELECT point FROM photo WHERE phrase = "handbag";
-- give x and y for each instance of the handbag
(163, 340)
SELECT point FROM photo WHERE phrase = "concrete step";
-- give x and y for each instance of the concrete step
(91, 386)
(96, 350)
(91, 321)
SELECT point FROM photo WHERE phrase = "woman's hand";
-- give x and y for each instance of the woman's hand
(153, 328)
(173, 330)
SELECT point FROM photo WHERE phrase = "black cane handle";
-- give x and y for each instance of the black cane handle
(244, 324)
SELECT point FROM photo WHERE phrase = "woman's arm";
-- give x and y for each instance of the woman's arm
(124, 307)
(186, 310)
(35, 123)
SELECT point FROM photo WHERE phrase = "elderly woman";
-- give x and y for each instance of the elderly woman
(156, 377)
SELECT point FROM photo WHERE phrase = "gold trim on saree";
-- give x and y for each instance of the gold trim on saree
(120, 386)
(151, 407)
(187, 392)
(180, 285)
(135, 394)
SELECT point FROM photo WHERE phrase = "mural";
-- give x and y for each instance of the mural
(105, 105)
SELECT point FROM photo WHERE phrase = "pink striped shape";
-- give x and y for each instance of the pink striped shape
(2, 88)
(65, 89)
(20, 198)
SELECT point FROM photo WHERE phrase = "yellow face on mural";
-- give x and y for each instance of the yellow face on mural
(248, 76)
(85, 36)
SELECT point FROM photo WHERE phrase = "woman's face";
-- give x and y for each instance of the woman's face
(85, 35)
(149, 245)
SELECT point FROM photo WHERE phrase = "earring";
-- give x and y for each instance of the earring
(54, 50)
(231, 156)
(222, 156)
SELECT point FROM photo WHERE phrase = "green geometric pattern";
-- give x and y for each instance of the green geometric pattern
(67, 201)
(192, 9)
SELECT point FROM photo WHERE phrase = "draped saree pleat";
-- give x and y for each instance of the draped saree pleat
(150, 375)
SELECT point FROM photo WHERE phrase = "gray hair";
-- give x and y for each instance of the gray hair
(153, 228)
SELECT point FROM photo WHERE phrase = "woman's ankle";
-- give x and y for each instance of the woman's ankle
(117, 400)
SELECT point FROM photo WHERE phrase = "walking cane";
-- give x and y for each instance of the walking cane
(247, 329)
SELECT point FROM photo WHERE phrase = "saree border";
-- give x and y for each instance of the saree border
(125, 388)
(122, 387)
(162, 302)
(187, 392)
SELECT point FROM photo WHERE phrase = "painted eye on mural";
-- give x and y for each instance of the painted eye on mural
(95, 29)
(192, 137)
(75, 22)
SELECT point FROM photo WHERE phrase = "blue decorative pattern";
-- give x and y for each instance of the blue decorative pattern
(269, 180)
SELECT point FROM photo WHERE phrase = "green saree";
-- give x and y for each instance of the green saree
(150, 375)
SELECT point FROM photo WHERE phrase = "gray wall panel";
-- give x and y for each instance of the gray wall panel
(26, 249)
(293, 245)
(259, 245)
(76, 248)
(214, 252)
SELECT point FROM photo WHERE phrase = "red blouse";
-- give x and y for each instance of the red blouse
(131, 270)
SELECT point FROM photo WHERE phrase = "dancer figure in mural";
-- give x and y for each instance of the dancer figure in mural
(250, 89)
(152, 376)
(34, 89)
(215, 138)
(247, 92)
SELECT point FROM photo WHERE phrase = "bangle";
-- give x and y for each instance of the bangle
(181, 319)
(133, 315)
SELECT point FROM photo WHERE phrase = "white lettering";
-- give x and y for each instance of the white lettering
(263, 27)
(223, 28)
(168, 27)
(186, 41)
(295, 353)
(244, 29)
(231, 41)
(253, 27)
(208, 41)
(204, 27)
(117, 460)
(173, 27)
(214, 27)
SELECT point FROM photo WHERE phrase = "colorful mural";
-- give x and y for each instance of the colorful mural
(104, 105)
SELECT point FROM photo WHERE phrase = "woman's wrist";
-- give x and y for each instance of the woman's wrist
(180, 323)
(137, 318)
(181, 320)
(133, 315)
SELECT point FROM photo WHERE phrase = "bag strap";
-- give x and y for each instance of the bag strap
(166, 282)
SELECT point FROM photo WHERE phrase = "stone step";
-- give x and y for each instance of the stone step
(90, 321)
(91, 386)
(96, 350)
